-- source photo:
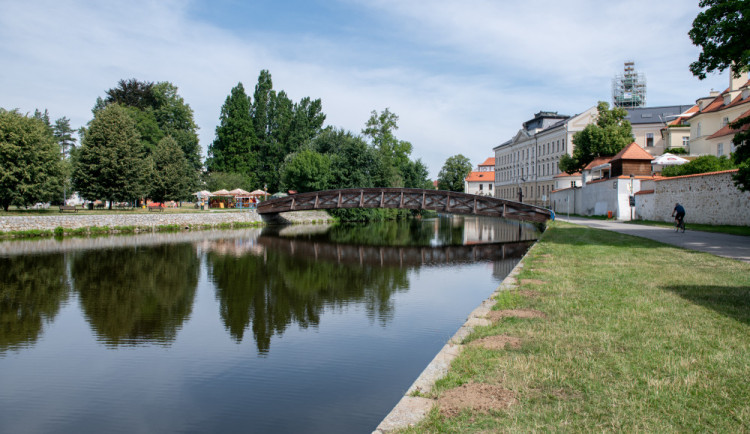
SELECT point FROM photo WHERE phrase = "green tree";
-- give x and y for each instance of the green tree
(354, 164)
(721, 32)
(30, 163)
(172, 178)
(227, 181)
(305, 171)
(454, 172)
(395, 153)
(608, 136)
(702, 164)
(64, 135)
(111, 163)
(235, 139)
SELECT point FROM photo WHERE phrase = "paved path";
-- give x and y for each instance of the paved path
(728, 246)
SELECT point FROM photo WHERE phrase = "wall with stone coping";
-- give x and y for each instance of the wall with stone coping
(710, 198)
(152, 219)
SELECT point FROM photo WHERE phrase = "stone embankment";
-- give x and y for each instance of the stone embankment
(143, 220)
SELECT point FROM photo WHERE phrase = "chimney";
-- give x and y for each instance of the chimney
(736, 83)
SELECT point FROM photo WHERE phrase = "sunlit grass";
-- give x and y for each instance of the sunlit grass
(638, 336)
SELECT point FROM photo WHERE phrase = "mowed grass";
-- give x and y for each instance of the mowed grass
(638, 337)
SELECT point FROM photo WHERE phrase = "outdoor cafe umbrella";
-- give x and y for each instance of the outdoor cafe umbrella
(258, 193)
(239, 192)
(221, 193)
(668, 160)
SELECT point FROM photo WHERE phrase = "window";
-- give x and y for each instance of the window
(489, 187)
(724, 121)
(480, 187)
(685, 141)
(698, 130)
(719, 149)
(650, 140)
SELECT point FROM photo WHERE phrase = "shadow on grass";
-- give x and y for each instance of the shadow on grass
(731, 301)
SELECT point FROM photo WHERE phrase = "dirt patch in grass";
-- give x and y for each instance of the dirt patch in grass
(496, 315)
(529, 293)
(476, 397)
(532, 282)
(499, 342)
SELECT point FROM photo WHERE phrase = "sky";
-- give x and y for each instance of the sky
(462, 76)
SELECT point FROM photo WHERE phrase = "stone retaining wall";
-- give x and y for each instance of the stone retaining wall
(76, 221)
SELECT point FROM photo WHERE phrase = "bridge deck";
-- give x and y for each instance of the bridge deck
(406, 198)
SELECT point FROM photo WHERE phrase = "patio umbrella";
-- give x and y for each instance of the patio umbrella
(221, 193)
(258, 193)
(239, 192)
(668, 160)
(202, 193)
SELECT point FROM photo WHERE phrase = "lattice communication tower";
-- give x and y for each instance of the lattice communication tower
(629, 88)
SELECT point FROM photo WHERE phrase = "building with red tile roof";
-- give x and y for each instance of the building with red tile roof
(710, 133)
(482, 180)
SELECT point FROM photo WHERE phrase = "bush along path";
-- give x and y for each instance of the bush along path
(605, 332)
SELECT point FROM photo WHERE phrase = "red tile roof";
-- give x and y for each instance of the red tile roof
(481, 177)
(597, 161)
(489, 162)
(668, 178)
(687, 115)
(632, 152)
(727, 130)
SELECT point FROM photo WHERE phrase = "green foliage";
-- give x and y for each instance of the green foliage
(64, 135)
(454, 172)
(394, 153)
(235, 140)
(227, 181)
(354, 164)
(608, 136)
(678, 151)
(741, 155)
(30, 163)
(721, 32)
(111, 163)
(703, 164)
(306, 171)
(172, 178)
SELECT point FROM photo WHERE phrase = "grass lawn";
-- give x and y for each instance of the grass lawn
(638, 337)
(724, 229)
(53, 210)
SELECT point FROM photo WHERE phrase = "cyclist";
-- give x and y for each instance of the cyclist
(679, 214)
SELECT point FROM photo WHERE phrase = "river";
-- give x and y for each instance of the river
(309, 329)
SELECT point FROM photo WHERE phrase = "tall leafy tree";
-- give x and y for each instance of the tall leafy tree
(132, 93)
(172, 179)
(111, 162)
(721, 31)
(453, 173)
(608, 136)
(30, 163)
(64, 135)
(235, 139)
(380, 129)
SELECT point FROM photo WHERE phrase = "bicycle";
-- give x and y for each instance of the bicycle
(679, 224)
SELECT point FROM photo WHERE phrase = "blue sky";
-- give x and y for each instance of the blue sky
(461, 75)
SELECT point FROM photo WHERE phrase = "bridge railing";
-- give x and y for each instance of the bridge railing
(406, 198)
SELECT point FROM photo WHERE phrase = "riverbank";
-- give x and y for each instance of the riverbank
(602, 331)
(14, 226)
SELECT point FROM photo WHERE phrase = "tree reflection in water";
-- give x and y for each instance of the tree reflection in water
(273, 289)
(32, 290)
(136, 295)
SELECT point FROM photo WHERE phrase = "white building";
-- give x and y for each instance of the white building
(482, 180)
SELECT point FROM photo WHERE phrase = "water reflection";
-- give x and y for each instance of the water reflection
(270, 289)
(136, 295)
(32, 290)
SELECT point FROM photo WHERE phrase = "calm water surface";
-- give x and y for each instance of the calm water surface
(304, 329)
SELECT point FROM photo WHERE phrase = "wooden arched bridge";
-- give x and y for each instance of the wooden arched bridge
(405, 198)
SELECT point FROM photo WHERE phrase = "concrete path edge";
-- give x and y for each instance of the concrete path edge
(412, 409)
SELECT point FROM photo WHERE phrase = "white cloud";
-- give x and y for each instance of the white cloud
(462, 76)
